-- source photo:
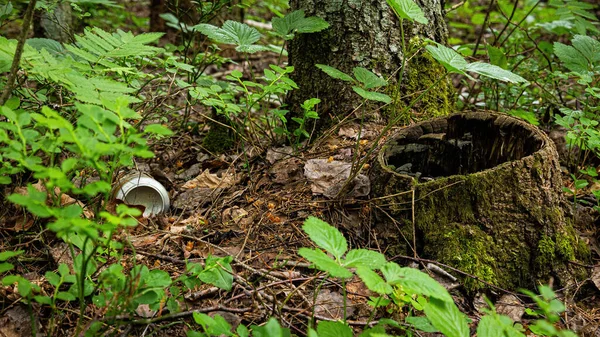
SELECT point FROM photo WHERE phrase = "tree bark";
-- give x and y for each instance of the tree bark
(487, 200)
(55, 24)
(361, 33)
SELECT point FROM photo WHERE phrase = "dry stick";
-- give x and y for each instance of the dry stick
(12, 76)
(485, 22)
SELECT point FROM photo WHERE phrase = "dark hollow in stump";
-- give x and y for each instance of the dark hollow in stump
(487, 200)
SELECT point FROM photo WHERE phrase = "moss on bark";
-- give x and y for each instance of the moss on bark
(501, 222)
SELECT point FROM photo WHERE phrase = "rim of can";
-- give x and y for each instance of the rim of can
(130, 182)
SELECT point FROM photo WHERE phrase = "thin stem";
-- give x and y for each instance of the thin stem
(14, 68)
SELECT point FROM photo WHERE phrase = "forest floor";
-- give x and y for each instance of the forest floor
(250, 204)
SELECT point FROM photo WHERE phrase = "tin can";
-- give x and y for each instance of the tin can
(137, 188)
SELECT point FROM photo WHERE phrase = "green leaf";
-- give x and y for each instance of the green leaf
(495, 72)
(216, 326)
(158, 129)
(270, 329)
(43, 299)
(324, 262)
(364, 257)
(325, 236)
(242, 331)
(588, 46)
(8, 254)
(158, 278)
(446, 317)
(415, 281)
(331, 71)
(52, 46)
(52, 278)
(65, 296)
(422, 323)
(218, 272)
(296, 22)
(373, 281)
(571, 58)
(6, 9)
(450, 59)
(5, 266)
(368, 78)
(372, 96)
(497, 57)
(232, 32)
(333, 329)
(409, 10)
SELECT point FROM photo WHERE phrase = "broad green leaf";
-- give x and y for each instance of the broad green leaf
(8, 254)
(446, 317)
(450, 59)
(324, 262)
(588, 46)
(415, 281)
(325, 236)
(497, 57)
(5, 266)
(158, 278)
(158, 129)
(333, 329)
(296, 22)
(233, 32)
(409, 10)
(364, 257)
(52, 46)
(218, 272)
(572, 59)
(368, 78)
(373, 281)
(488, 327)
(371, 95)
(43, 299)
(271, 329)
(242, 331)
(65, 296)
(422, 323)
(216, 326)
(331, 71)
(495, 72)
(52, 278)
(6, 9)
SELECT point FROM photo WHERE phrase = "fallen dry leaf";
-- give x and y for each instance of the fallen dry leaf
(210, 180)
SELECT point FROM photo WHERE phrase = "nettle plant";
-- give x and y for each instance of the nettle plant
(582, 60)
(254, 105)
(427, 304)
(365, 81)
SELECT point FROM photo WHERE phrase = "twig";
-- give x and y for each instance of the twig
(127, 318)
(14, 68)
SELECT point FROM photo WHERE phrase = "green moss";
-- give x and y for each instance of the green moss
(468, 249)
(421, 72)
(546, 251)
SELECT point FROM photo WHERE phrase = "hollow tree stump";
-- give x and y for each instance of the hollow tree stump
(487, 200)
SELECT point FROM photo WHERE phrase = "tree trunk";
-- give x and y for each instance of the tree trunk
(365, 34)
(487, 200)
(55, 24)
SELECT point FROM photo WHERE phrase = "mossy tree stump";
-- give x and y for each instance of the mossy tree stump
(487, 199)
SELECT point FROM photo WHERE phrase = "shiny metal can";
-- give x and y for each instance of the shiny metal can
(137, 188)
